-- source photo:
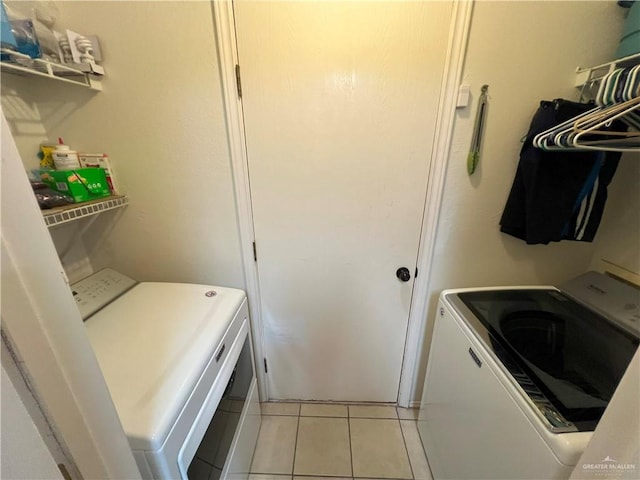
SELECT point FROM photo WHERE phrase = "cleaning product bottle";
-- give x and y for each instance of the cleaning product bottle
(64, 158)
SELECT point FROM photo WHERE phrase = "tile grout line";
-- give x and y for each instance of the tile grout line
(323, 475)
(295, 446)
(334, 476)
(271, 474)
(323, 416)
(348, 418)
(253, 455)
(350, 449)
(406, 449)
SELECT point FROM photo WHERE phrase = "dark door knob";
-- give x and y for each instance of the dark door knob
(403, 274)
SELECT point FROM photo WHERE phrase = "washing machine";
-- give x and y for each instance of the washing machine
(178, 361)
(518, 377)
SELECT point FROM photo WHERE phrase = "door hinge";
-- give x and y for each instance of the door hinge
(266, 370)
(255, 252)
(238, 82)
(416, 275)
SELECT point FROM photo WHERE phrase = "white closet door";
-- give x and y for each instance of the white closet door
(340, 103)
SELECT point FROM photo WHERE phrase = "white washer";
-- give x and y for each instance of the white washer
(518, 377)
(178, 362)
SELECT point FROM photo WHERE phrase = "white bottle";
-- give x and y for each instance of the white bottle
(64, 158)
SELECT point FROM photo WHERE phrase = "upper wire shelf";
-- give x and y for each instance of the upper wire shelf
(588, 75)
(20, 64)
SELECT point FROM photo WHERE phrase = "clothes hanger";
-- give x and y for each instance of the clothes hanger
(541, 139)
(547, 139)
(617, 98)
(586, 131)
(563, 136)
(588, 127)
(607, 115)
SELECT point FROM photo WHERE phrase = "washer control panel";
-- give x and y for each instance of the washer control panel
(610, 297)
(100, 289)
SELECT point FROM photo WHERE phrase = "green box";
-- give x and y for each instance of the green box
(82, 184)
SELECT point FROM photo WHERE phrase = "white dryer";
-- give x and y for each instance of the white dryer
(178, 361)
(518, 377)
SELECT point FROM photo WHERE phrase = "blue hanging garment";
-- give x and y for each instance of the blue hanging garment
(557, 195)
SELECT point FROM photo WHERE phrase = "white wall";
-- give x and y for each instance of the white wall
(161, 120)
(525, 52)
(618, 240)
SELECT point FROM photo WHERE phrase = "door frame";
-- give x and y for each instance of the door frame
(223, 18)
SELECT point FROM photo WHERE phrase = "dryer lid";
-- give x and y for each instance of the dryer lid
(152, 345)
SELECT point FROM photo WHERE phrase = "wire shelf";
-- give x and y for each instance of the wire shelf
(595, 74)
(76, 211)
(20, 64)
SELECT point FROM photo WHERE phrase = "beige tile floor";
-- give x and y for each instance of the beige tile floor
(312, 441)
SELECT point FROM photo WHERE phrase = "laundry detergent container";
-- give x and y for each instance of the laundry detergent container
(630, 41)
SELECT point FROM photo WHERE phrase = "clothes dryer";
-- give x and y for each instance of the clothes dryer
(178, 361)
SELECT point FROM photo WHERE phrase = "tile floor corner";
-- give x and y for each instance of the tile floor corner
(316, 441)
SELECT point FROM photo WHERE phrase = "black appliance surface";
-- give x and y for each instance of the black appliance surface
(567, 358)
